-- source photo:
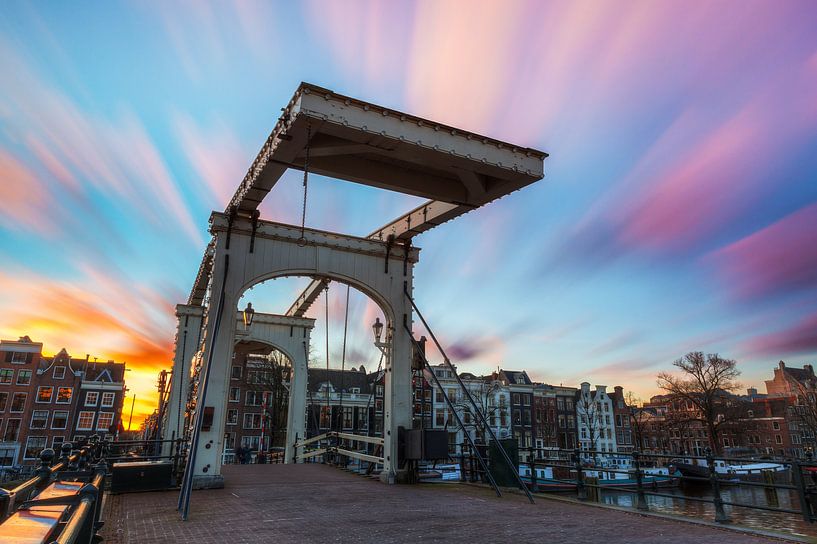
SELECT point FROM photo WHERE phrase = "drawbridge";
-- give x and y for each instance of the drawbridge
(326, 133)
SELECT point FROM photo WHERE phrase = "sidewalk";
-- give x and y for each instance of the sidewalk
(317, 503)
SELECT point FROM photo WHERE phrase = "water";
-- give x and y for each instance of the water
(759, 519)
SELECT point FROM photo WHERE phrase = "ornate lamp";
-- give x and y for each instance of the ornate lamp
(249, 313)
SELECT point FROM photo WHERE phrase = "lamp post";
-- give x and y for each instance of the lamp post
(249, 314)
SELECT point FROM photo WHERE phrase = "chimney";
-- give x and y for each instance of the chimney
(809, 368)
(781, 365)
(619, 391)
(601, 389)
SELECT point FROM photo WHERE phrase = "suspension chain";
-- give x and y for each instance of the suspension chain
(302, 241)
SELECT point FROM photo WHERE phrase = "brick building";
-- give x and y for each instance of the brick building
(45, 401)
(621, 419)
(521, 389)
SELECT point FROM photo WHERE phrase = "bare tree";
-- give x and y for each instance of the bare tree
(805, 411)
(588, 412)
(484, 395)
(706, 385)
(639, 417)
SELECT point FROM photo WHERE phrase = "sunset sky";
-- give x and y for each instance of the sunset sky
(678, 211)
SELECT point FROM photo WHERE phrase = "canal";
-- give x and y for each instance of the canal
(759, 519)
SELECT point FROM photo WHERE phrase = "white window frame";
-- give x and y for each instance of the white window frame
(96, 398)
(57, 398)
(107, 427)
(28, 439)
(21, 373)
(54, 416)
(105, 395)
(54, 442)
(50, 398)
(25, 396)
(79, 420)
(234, 421)
(54, 373)
(11, 377)
(45, 423)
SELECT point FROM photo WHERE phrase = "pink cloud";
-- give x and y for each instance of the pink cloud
(798, 338)
(24, 200)
(777, 259)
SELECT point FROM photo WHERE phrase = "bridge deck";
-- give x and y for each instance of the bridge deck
(317, 503)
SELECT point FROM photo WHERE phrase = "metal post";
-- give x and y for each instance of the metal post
(797, 477)
(642, 499)
(462, 464)
(581, 492)
(720, 513)
(534, 486)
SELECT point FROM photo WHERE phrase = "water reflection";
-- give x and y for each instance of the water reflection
(760, 519)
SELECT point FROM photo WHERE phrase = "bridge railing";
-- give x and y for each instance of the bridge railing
(339, 447)
(62, 502)
(588, 473)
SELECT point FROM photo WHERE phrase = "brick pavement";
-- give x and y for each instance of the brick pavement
(317, 503)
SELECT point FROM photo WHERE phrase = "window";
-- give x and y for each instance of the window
(39, 419)
(235, 372)
(24, 377)
(85, 421)
(104, 421)
(56, 443)
(64, 395)
(18, 402)
(19, 357)
(6, 375)
(776, 425)
(34, 445)
(232, 417)
(325, 414)
(7, 456)
(356, 391)
(91, 398)
(78, 439)
(253, 398)
(44, 393)
(59, 373)
(12, 430)
(250, 442)
(378, 390)
(252, 421)
(107, 399)
(363, 419)
(4, 399)
(347, 417)
(235, 394)
(59, 420)
(778, 439)
(439, 418)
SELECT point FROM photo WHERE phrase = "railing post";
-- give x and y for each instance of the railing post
(642, 499)
(581, 492)
(720, 513)
(295, 450)
(5, 504)
(534, 486)
(44, 470)
(65, 458)
(462, 464)
(799, 483)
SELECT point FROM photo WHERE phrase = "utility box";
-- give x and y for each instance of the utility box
(426, 444)
(141, 476)
(502, 473)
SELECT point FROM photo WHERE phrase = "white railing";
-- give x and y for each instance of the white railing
(328, 448)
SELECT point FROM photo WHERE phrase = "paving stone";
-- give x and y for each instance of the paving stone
(317, 503)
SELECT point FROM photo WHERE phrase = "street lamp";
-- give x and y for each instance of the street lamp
(377, 327)
(249, 313)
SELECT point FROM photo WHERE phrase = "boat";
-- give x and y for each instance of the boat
(608, 477)
(731, 472)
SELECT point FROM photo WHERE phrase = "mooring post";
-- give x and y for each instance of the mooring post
(581, 491)
(717, 500)
(642, 499)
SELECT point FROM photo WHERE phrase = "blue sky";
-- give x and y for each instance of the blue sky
(678, 211)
